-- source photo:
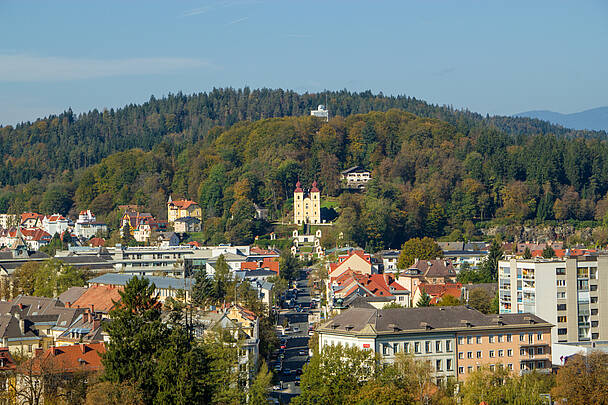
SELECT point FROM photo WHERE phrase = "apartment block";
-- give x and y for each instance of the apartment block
(571, 293)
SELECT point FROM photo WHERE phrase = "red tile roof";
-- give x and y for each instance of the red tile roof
(97, 242)
(100, 297)
(183, 204)
(35, 234)
(270, 263)
(436, 291)
(194, 243)
(6, 360)
(70, 359)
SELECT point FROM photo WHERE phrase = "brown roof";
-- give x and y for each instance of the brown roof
(100, 297)
(183, 204)
(6, 360)
(71, 294)
(435, 268)
(415, 320)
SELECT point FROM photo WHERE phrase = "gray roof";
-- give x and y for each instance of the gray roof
(353, 170)
(259, 273)
(159, 281)
(71, 294)
(418, 320)
(189, 220)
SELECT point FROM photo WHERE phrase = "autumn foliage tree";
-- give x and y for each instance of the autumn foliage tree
(421, 249)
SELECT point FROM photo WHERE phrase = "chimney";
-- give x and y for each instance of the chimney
(83, 348)
(69, 304)
(92, 308)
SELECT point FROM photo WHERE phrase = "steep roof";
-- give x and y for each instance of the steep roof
(100, 297)
(80, 357)
(437, 291)
(71, 294)
(435, 268)
(183, 204)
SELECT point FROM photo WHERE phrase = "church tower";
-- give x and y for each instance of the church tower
(298, 204)
(315, 204)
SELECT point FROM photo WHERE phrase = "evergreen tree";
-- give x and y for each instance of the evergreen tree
(424, 301)
(202, 290)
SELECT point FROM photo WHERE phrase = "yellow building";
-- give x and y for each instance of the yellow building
(306, 209)
(182, 209)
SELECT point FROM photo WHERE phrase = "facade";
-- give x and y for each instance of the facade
(165, 286)
(181, 209)
(433, 334)
(306, 208)
(571, 293)
(55, 224)
(187, 224)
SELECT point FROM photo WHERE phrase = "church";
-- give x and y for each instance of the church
(306, 208)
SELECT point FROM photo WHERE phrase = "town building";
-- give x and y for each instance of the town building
(187, 224)
(434, 271)
(570, 293)
(307, 247)
(306, 208)
(166, 287)
(455, 340)
(55, 224)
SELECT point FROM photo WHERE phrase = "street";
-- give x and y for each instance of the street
(295, 338)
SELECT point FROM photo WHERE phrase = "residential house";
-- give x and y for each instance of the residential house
(99, 299)
(354, 284)
(435, 271)
(454, 340)
(187, 224)
(355, 260)
(146, 227)
(87, 225)
(390, 258)
(35, 237)
(183, 208)
(267, 263)
(132, 219)
(87, 328)
(55, 224)
(8, 220)
(355, 177)
(165, 239)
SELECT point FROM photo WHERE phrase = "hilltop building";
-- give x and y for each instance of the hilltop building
(182, 209)
(306, 208)
(321, 112)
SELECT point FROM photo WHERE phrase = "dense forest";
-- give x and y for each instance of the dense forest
(435, 172)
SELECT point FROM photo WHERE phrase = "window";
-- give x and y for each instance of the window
(522, 337)
(594, 300)
(594, 324)
(478, 340)
(562, 331)
(461, 355)
(479, 354)
(595, 335)
(469, 340)
(508, 337)
(501, 353)
(560, 272)
(593, 311)
(417, 347)
(540, 350)
(438, 365)
(561, 307)
(522, 352)
(491, 353)
(395, 348)
(561, 283)
(492, 367)
(448, 365)
(593, 287)
(438, 346)
(385, 349)
(539, 336)
(460, 370)
(460, 340)
(540, 364)
(469, 355)
(510, 366)
(509, 352)
(448, 345)
(561, 295)
(406, 347)
(499, 338)
(427, 347)
(562, 318)
(491, 338)
(469, 369)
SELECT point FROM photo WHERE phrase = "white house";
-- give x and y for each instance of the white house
(87, 225)
(55, 224)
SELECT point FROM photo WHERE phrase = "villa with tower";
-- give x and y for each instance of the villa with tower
(306, 208)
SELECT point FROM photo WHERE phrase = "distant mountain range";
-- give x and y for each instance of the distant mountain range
(594, 119)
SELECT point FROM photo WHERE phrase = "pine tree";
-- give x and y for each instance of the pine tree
(424, 301)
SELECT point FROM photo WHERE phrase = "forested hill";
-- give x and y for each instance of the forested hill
(429, 177)
(61, 144)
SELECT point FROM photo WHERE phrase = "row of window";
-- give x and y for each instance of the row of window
(498, 338)
(438, 346)
(522, 366)
(491, 353)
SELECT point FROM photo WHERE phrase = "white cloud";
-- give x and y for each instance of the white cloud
(30, 68)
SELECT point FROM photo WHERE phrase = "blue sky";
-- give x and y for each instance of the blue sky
(497, 57)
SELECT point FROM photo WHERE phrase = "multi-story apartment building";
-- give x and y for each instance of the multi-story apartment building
(570, 293)
(455, 340)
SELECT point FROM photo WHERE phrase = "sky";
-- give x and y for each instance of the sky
(496, 57)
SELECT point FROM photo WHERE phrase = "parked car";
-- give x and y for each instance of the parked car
(303, 353)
